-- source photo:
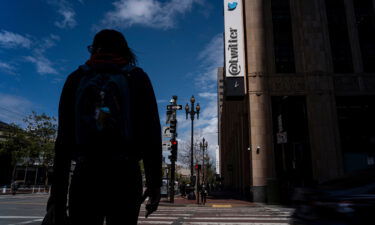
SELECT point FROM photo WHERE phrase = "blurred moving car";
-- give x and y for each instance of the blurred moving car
(348, 200)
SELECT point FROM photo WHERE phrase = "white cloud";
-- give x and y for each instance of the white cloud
(209, 109)
(38, 58)
(66, 12)
(207, 95)
(212, 57)
(36, 49)
(43, 65)
(12, 40)
(46, 43)
(149, 13)
(7, 68)
(13, 109)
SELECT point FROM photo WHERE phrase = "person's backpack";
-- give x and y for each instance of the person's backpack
(103, 108)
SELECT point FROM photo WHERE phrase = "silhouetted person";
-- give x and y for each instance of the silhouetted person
(203, 194)
(108, 122)
(14, 187)
(183, 189)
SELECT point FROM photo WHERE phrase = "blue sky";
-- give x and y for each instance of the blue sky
(178, 43)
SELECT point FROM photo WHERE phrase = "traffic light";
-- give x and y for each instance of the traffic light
(172, 126)
(173, 155)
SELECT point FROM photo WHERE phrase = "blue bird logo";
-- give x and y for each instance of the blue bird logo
(232, 6)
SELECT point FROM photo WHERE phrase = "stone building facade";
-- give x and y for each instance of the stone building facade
(310, 99)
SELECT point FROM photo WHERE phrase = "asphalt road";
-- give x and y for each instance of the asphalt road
(22, 209)
(29, 209)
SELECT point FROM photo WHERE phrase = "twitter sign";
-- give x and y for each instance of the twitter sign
(232, 5)
(235, 67)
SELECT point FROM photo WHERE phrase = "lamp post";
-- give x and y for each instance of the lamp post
(190, 110)
(203, 145)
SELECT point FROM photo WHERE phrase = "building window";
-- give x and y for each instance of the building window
(365, 20)
(283, 37)
(356, 122)
(339, 37)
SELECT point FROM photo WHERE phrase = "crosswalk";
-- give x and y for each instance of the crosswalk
(219, 216)
(19, 210)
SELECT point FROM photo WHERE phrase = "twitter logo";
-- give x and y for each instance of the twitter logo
(232, 6)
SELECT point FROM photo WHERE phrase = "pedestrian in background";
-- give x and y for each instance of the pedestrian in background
(14, 187)
(203, 194)
(183, 189)
(108, 122)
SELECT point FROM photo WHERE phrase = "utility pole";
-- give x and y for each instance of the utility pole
(198, 167)
(203, 145)
(172, 120)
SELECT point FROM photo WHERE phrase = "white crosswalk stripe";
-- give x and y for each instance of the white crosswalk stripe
(217, 216)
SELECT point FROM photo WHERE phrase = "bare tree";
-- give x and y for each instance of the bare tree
(184, 152)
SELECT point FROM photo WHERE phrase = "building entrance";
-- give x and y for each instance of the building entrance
(291, 144)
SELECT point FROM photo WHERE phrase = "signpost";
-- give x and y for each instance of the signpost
(166, 132)
(167, 144)
(174, 107)
(171, 132)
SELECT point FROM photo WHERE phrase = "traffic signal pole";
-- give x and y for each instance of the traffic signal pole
(173, 170)
(172, 109)
(198, 170)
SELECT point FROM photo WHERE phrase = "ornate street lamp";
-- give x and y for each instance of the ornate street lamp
(190, 110)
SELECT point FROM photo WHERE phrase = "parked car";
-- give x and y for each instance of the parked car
(348, 200)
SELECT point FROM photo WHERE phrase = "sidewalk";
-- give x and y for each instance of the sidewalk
(8, 191)
(215, 199)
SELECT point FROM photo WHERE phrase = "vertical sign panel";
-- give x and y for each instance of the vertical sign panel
(235, 68)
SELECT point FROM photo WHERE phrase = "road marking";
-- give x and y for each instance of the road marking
(234, 223)
(27, 222)
(237, 218)
(18, 196)
(154, 222)
(21, 217)
(222, 206)
(24, 203)
(168, 214)
(163, 217)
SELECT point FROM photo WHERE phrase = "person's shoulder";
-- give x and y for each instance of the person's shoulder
(138, 73)
(78, 73)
